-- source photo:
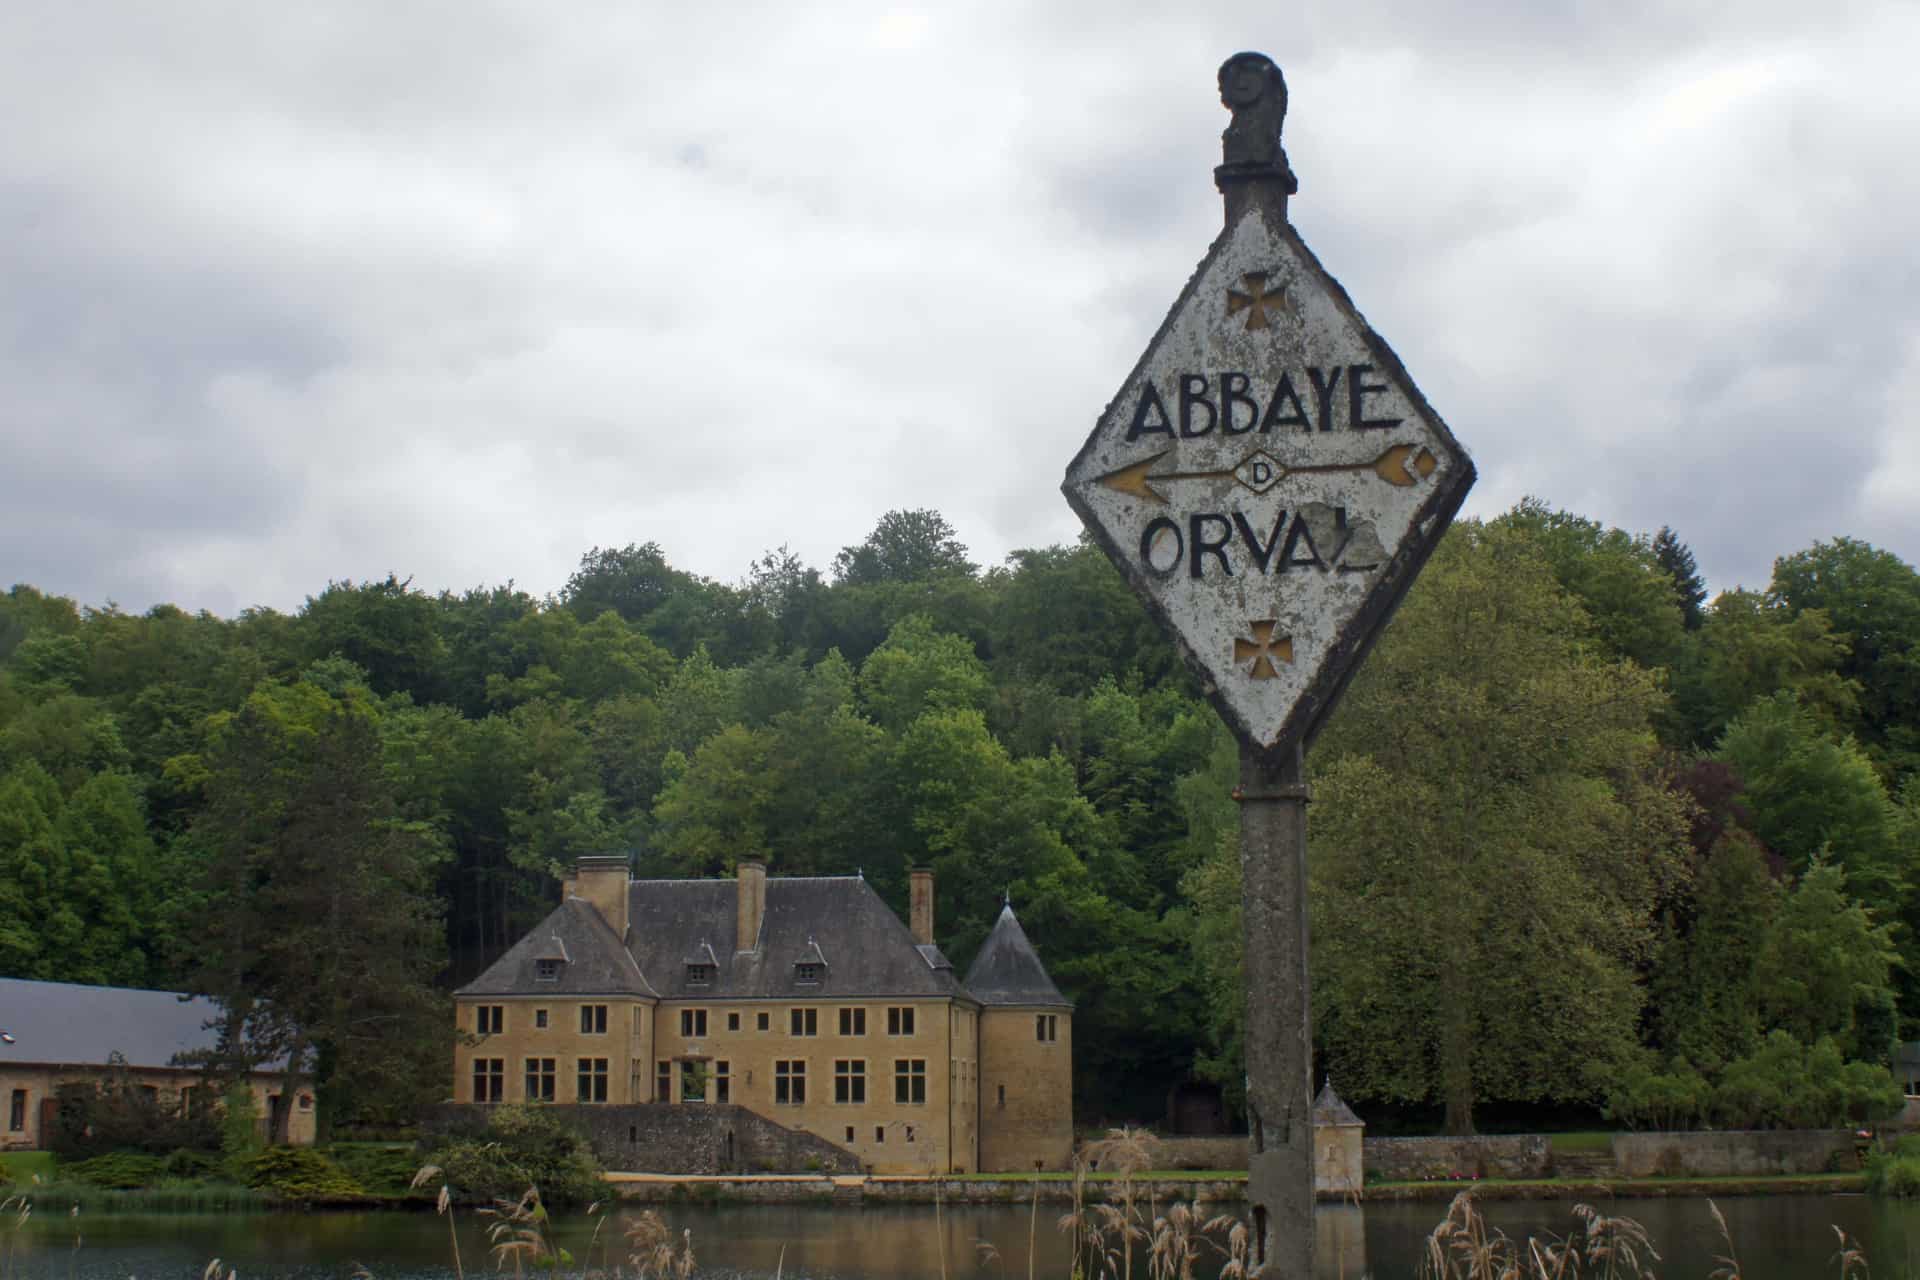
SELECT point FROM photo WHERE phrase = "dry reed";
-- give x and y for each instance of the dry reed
(1726, 1265)
(443, 1206)
(651, 1252)
(1103, 1235)
(1853, 1263)
(522, 1233)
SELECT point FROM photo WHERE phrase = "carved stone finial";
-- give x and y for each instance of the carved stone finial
(1252, 87)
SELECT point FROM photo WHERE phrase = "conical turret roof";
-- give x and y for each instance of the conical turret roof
(1008, 969)
(1329, 1109)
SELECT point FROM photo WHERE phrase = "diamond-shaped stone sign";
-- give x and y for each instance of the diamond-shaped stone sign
(1269, 480)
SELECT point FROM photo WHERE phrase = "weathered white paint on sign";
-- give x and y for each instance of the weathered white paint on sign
(1268, 478)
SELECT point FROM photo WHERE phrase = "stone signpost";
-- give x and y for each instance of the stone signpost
(1270, 481)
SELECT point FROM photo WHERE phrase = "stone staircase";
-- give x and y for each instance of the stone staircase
(1589, 1164)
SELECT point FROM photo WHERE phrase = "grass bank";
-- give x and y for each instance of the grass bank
(358, 1175)
(1219, 1187)
(196, 1197)
(1617, 1188)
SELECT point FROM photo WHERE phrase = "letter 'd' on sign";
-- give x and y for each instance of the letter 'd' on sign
(1269, 480)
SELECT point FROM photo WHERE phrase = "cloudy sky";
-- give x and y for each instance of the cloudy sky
(292, 293)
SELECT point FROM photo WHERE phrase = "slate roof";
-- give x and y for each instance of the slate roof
(1329, 1109)
(838, 923)
(1008, 970)
(71, 1025)
(836, 920)
(595, 964)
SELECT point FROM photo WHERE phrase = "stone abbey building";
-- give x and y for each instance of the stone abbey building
(802, 999)
(61, 1033)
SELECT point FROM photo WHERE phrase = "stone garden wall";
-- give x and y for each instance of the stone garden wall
(1731, 1154)
(1525, 1155)
(1221, 1152)
(1734, 1153)
(659, 1137)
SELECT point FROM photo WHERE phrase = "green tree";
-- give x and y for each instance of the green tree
(557, 656)
(633, 581)
(906, 546)
(700, 698)
(918, 670)
(713, 812)
(481, 631)
(321, 937)
(25, 610)
(1485, 854)
(387, 629)
(70, 736)
(1808, 792)
(1873, 599)
(1063, 618)
(1213, 889)
(987, 823)
(1134, 750)
(554, 808)
(831, 808)
(495, 782)
(1705, 983)
(680, 611)
(627, 738)
(787, 592)
(1749, 648)
(48, 663)
(1688, 586)
(82, 889)
(1826, 970)
(1618, 579)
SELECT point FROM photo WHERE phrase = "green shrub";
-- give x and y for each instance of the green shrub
(1787, 1085)
(115, 1114)
(1892, 1174)
(298, 1173)
(194, 1166)
(522, 1147)
(25, 1166)
(1642, 1098)
(382, 1168)
(240, 1124)
(118, 1170)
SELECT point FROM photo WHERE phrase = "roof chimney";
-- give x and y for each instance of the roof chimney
(920, 905)
(752, 905)
(601, 880)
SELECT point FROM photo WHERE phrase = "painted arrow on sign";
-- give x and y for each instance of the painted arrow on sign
(1402, 465)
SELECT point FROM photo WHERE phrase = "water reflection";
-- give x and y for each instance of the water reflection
(1340, 1240)
(1775, 1237)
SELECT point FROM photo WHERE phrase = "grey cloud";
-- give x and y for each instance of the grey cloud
(458, 291)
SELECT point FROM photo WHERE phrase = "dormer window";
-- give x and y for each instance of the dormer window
(546, 969)
(699, 975)
(810, 965)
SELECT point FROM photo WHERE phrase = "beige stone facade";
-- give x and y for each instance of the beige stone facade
(1338, 1144)
(1027, 1092)
(839, 1022)
(28, 1092)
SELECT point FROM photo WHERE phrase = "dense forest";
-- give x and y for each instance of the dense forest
(1580, 837)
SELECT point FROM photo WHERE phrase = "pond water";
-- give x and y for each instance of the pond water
(1776, 1237)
